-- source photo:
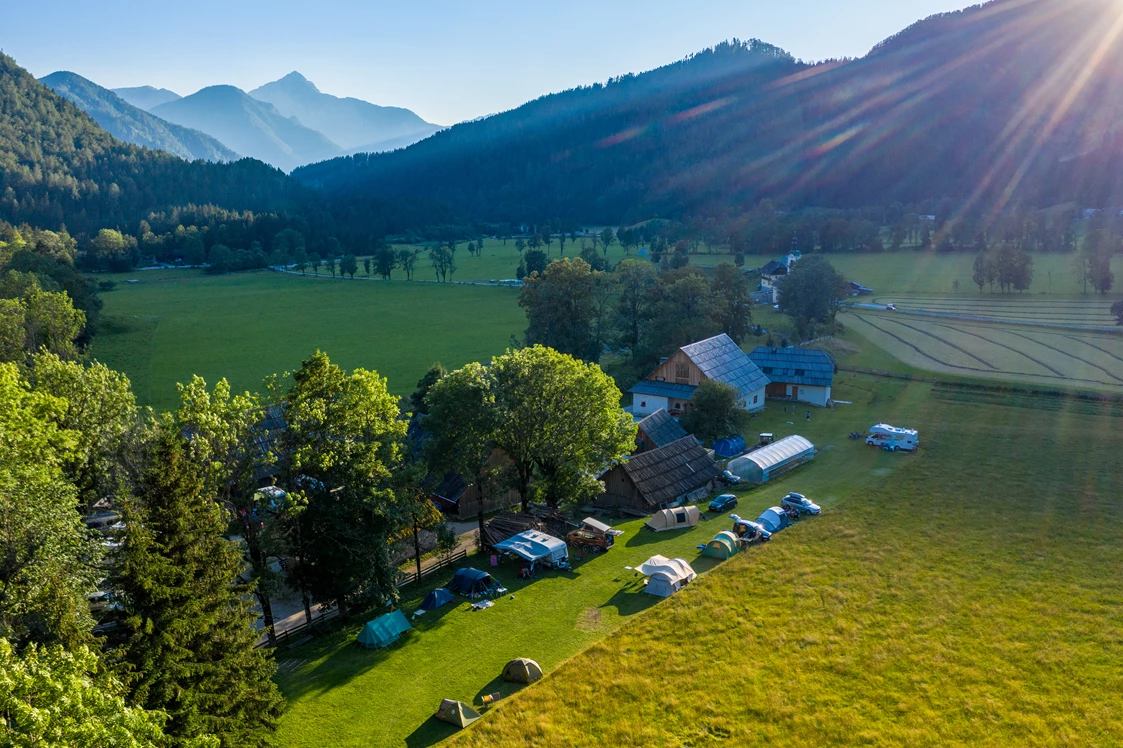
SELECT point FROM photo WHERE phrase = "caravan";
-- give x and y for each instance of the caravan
(893, 439)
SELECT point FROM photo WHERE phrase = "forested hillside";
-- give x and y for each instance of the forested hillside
(1012, 102)
(133, 125)
(57, 167)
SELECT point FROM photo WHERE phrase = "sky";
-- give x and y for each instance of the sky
(448, 60)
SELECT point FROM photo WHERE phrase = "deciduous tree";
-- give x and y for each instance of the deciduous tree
(716, 410)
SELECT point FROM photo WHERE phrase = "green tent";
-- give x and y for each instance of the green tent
(384, 631)
(724, 545)
(457, 713)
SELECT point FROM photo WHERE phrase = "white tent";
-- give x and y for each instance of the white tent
(597, 526)
(666, 576)
(536, 546)
(674, 519)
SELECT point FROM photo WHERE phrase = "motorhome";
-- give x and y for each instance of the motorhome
(892, 439)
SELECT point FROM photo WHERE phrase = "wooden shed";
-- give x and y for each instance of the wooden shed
(681, 471)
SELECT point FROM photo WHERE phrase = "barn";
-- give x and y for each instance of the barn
(658, 430)
(668, 476)
(801, 374)
(671, 386)
(761, 465)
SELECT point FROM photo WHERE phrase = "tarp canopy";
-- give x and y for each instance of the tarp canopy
(775, 519)
(598, 526)
(383, 631)
(522, 670)
(456, 713)
(535, 546)
(470, 581)
(674, 519)
(724, 545)
(436, 599)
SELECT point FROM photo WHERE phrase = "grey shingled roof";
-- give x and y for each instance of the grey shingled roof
(661, 428)
(803, 366)
(664, 474)
(774, 267)
(721, 359)
(663, 389)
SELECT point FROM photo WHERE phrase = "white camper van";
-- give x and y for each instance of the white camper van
(892, 439)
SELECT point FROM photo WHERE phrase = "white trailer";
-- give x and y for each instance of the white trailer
(893, 439)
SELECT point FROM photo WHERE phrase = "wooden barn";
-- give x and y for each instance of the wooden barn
(801, 374)
(658, 430)
(456, 497)
(680, 472)
(671, 386)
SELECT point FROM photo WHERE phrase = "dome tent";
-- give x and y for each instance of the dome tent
(522, 670)
(666, 576)
(456, 713)
(774, 519)
(723, 546)
(470, 582)
(674, 519)
(436, 599)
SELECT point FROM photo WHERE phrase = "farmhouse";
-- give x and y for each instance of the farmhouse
(671, 386)
(658, 430)
(681, 471)
(801, 374)
(761, 465)
(772, 277)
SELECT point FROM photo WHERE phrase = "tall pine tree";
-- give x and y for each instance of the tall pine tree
(190, 651)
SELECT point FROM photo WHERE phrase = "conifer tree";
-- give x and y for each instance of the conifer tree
(190, 651)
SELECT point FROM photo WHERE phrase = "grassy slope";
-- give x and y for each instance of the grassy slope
(330, 685)
(971, 597)
(246, 326)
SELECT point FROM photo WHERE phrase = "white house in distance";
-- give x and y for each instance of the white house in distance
(801, 374)
(671, 386)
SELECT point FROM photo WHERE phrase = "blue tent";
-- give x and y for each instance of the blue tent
(775, 519)
(730, 446)
(436, 599)
(470, 582)
(384, 631)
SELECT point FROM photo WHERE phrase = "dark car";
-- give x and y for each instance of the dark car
(723, 503)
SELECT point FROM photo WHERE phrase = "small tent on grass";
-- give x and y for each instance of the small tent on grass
(536, 546)
(436, 599)
(724, 545)
(666, 576)
(383, 631)
(469, 581)
(775, 519)
(456, 713)
(522, 670)
(674, 519)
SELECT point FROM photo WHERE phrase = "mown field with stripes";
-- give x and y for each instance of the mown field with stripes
(1060, 358)
(1088, 312)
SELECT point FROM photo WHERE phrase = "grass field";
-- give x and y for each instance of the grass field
(172, 324)
(1091, 311)
(1051, 358)
(330, 684)
(968, 597)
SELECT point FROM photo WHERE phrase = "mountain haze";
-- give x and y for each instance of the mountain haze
(126, 122)
(251, 127)
(58, 167)
(1016, 101)
(146, 97)
(350, 123)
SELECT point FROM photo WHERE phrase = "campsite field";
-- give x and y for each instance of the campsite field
(965, 595)
(1043, 357)
(172, 324)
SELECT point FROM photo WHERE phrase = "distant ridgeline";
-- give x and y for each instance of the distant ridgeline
(986, 107)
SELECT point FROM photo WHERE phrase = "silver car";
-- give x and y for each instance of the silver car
(800, 503)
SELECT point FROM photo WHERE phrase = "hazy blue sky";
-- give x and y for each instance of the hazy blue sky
(448, 60)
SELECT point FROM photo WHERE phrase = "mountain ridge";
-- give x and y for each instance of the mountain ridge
(132, 124)
(146, 97)
(349, 122)
(249, 126)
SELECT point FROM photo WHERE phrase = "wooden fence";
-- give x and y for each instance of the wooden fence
(407, 578)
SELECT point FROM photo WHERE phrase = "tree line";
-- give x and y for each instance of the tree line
(321, 475)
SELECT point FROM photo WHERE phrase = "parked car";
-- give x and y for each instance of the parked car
(723, 503)
(749, 531)
(590, 541)
(800, 503)
(729, 479)
(890, 307)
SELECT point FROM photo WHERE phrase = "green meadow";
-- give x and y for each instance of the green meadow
(246, 326)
